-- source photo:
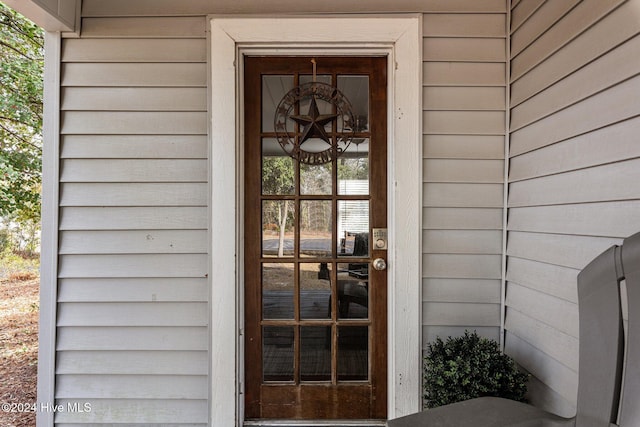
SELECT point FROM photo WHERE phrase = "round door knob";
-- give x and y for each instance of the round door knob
(379, 264)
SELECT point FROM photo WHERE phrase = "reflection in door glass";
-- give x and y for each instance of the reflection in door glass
(353, 290)
(277, 291)
(277, 353)
(315, 179)
(278, 231)
(356, 89)
(353, 228)
(315, 228)
(278, 173)
(273, 89)
(353, 353)
(315, 290)
(353, 168)
(315, 353)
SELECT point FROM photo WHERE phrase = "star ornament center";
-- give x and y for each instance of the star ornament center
(312, 125)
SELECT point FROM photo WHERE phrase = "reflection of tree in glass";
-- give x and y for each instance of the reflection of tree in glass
(278, 178)
(353, 168)
(315, 179)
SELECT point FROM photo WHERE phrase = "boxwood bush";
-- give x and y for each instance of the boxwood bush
(467, 367)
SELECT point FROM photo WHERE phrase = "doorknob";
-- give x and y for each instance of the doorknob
(379, 264)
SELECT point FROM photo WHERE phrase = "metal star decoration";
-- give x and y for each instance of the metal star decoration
(314, 123)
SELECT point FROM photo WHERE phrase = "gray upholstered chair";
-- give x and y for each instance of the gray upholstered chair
(602, 358)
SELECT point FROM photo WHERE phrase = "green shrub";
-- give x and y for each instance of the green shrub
(468, 367)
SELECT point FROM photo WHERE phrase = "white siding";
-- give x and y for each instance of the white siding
(574, 188)
(464, 102)
(132, 292)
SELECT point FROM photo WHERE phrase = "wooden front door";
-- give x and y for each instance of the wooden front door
(315, 306)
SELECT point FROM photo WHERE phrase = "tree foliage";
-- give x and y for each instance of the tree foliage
(21, 87)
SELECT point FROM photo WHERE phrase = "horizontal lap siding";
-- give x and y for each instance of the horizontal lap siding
(574, 188)
(464, 102)
(133, 298)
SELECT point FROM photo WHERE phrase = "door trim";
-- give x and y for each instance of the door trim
(399, 37)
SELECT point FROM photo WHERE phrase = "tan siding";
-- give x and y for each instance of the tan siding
(132, 362)
(556, 36)
(202, 7)
(560, 314)
(462, 219)
(464, 102)
(602, 183)
(132, 50)
(464, 50)
(564, 250)
(536, 25)
(143, 170)
(167, 27)
(562, 347)
(464, 171)
(582, 151)
(145, 123)
(133, 314)
(545, 277)
(134, 147)
(133, 99)
(132, 387)
(462, 241)
(464, 74)
(461, 290)
(615, 28)
(479, 147)
(608, 70)
(136, 194)
(132, 294)
(612, 219)
(132, 338)
(463, 195)
(464, 25)
(130, 218)
(574, 188)
(463, 98)
(521, 10)
(133, 290)
(460, 314)
(464, 122)
(131, 75)
(557, 376)
(156, 265)
(133, 241)
(613, 105)
(184, 413)
(462, 266)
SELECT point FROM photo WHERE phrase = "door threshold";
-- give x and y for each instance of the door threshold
(315, 423)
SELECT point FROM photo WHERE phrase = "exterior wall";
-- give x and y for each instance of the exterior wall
(574, 181)
(133, 295)
(464, 126)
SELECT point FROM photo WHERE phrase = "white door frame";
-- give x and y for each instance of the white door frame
(399, 37)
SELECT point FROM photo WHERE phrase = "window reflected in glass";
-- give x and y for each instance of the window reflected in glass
(353, 228)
